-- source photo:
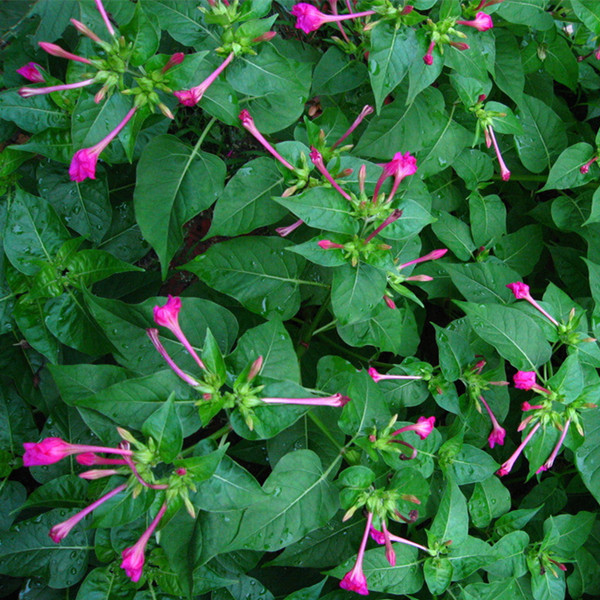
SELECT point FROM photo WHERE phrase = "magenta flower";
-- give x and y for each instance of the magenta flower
(428, 58)
(379, 537)
(509, 464)
(423, 427)
(376, 376)
(521, 292)
(459, 46)
(491, 140)
(192, 96)
(248, 125)
(105, 18)
(90, 458)
(337, 400)
(153, 335)
(32, 72)
(584, 169)
(498, 433)
(55, 50)
(175, 59)
(317, 159)
(526, 407)
(98, 473)
(285, 231)
(61, 530)
(401, 166)
(26, 92)
(482, 22)
(133, 557)
(355, 580)
(328, 245)
(168, 316)
(389, 302)
(434, 255)
(85, 30)
(525, 380)
(83, 163)
(309, 18)
(51, 450)
(394, 216)
(550, 461)
(367, 110)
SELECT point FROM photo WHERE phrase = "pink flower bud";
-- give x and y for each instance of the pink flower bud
(389, 302)
(55, 50)
(482, 22)
(428, 58)
(265, 37)
(32, 72)
(85, 30)
(175, 59)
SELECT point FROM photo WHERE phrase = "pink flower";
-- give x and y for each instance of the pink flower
(434, 255)
(379, 537)
(168, 316)
(498, 433)
(394, 216)
(509, 464)
(401, 166)
(98, 473)
(176, 59)
(376, 376)
(85, 30)
(83, 163)
(328, 245)
(584, 168)
(285, 231)
(133, 557)
(519, 289)
(61, 530)
(428, 58)
(104, 16)
(153, 335)
(550, 461)
(525, 380)
(389, 302)
(309, 18)
(525, 407)
(317, 159)
(192, 96)
(367, 110)
(504, 172)
(355, 580)
(423, 427)
(482, 22)
(32, 72)
(52, 449)
(337, 400)
(248, 124)
(55, 50)
(90, 458)
(26, 92)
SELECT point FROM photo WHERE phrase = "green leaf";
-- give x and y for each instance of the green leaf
(438, 574)
(67, 491)
(16, 421)
(483, 282)
(547, 585)
(34, 114)
(123, 508)
(246, 203)
(565, 534)
(188, 181)
(560, 62)
(301, 500)
(514, 335)
(391, 52)
(471, 465)
(508, 72)
(527, 12)
(543, 137)
(488, 218)
(143, 33)
(356, 291)
(29, 551)
(322, 208)
(587, 456)
(473, 167)
(33, 233)
(83, 205)
(468, 557)
(454, 233)
(105, 583)
(12, 496)
(510, 555)
(451, 521)
(589, 13)
(490, 500)
(336, 73)
(521, 250)
(256, 271)
(565, 172)
(164, 426)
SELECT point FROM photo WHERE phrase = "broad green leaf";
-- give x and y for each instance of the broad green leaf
(508, 72)
(323, 208)
(514, 335)
(527, 12)
(471, 465)
(164, 426)
(451, 521)
(543, 137)
(565, 534)
(336, 73)
(438, 574)
(301, 500)
(560, 62)
(356, 292)
(547, 585)
(468, 557)
(187, 182)
(565, 172)
(391, 52)
(454, 233)
(589, 13)
(33, 233)
(256, 271)
(473, 167)
(67, 491)
(521, 250)
(123, 508)
(143, 33)
(29, 552)
(510, 555)
(488, 218)
(105, 583)
(16, 421)
(490, 500)
(483, 282)
(34, 114)
(246, 202)
(12, 496)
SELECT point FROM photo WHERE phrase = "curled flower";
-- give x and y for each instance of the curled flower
(401, 166)
(51, 450)
(482, 22)
(32, 72)
(423, 427)
(309, 18)
(192, 96)
(521, 292)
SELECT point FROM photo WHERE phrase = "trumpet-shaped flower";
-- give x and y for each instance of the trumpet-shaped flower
(192, 96)
(355, 580)
(32, 72)
(51, 450)
(309, 18)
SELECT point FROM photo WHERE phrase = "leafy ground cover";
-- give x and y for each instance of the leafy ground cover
(299, 301)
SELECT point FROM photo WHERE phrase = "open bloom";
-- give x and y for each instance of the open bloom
(61, 530)
(51, 450)
(133, 557)
(482, 22)
(355, 580)
(337, 400)
(423, 427)
(525, 380)
(192, 96)
(498, 432)
(401, 166)
(521, 292)
(83, 163)
(309, 18)
(168, 316)
(32, 72)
